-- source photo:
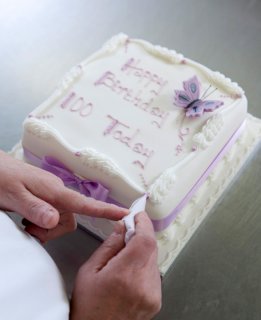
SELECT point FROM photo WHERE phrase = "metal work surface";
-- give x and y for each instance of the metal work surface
(217, 275)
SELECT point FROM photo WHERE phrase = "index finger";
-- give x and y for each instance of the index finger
(72, 201)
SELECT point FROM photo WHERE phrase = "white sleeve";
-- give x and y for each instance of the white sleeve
(31, 286)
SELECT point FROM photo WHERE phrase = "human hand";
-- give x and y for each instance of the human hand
(120, 282)
(43, 200)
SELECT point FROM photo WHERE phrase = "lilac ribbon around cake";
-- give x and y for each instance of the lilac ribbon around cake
(89, 188)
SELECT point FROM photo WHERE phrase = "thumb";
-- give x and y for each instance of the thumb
(109, 248)
(36, 210)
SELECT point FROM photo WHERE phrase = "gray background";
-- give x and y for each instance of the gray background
(217, 276)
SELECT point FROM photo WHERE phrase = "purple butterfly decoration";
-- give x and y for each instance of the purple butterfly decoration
(190, 101)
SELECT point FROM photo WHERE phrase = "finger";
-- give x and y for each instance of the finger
(109, 249)
(143, 225)
(37, 232)
(142, 248)
(75, 202)
(66, 224)
(35, 210)
(52, 190)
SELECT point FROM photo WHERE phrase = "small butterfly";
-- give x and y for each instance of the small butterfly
(190, 101)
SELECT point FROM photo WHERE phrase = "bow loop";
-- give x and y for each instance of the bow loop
(89, 188)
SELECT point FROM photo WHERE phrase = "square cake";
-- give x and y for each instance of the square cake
(135, 118)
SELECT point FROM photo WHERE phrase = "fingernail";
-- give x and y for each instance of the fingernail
(47, 216)
(125, 211)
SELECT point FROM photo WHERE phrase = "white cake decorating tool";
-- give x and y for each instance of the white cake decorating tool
(137, 206)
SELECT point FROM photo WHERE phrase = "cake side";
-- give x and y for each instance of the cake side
(174, 238)
(114, 120)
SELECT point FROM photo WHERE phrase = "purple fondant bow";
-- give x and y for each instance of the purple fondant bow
(89, 188)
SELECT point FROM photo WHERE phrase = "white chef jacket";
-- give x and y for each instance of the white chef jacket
(31, 287)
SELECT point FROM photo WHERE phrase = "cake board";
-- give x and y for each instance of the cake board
(173, 239)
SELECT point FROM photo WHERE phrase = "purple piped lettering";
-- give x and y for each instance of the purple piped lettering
(67, 100)
(124, 134)
(78, 105)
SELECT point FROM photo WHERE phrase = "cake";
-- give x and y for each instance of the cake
(135, 118)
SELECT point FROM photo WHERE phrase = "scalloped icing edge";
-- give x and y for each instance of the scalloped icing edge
(96, 160)
(88, 156)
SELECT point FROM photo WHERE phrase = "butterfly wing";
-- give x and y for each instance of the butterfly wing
(192, 88)
(190, 93)
(196, 109)
(211, 105)
(182, 99)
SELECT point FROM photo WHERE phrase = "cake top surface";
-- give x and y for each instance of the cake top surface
(141, 110)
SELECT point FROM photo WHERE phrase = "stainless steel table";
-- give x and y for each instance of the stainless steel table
(217, 276)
